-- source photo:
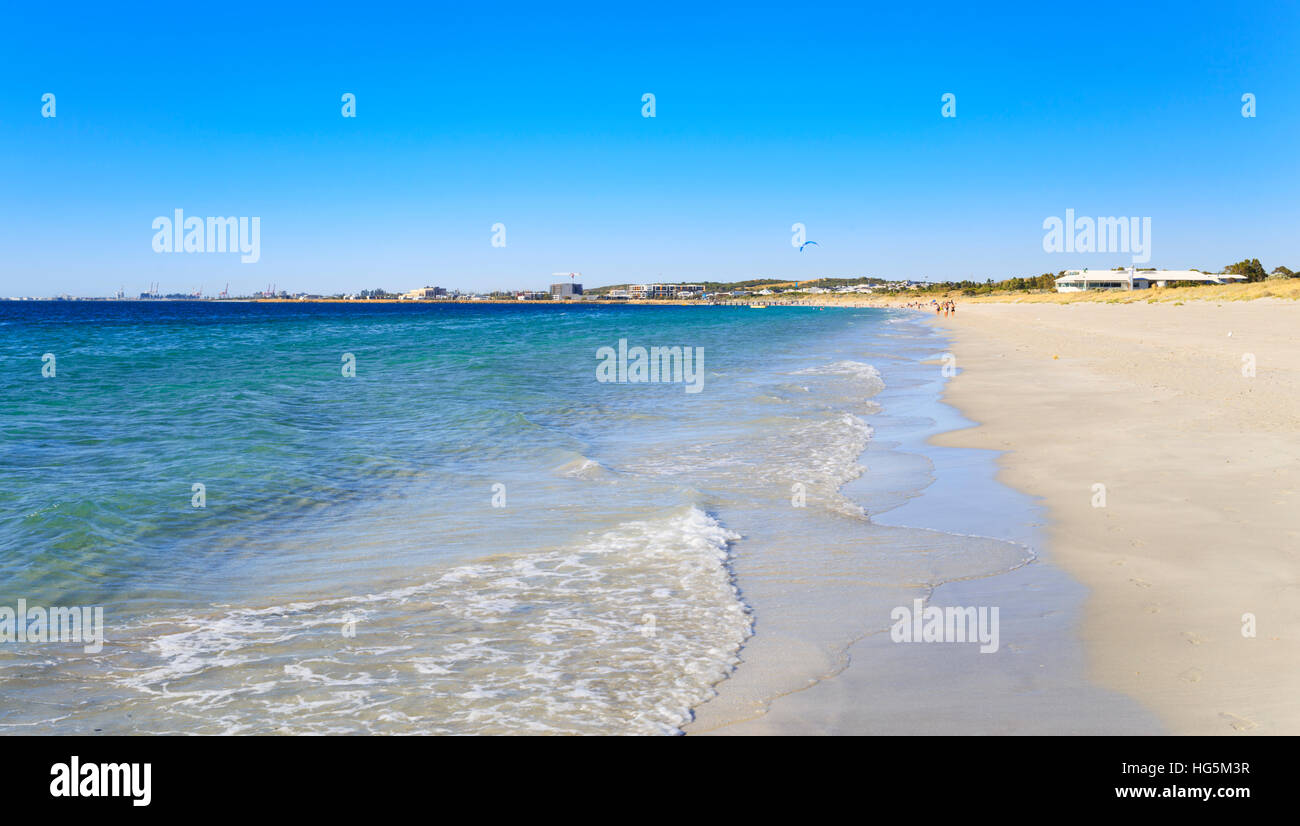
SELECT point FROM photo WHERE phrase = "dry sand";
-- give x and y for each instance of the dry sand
(1201, 520)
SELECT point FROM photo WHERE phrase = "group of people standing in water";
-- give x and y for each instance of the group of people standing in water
(944, 308)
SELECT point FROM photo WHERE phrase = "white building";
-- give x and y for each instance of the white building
(424, 294)
(643, 291)
(1077, 281)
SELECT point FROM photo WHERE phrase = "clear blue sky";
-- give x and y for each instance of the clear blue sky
(766, 116)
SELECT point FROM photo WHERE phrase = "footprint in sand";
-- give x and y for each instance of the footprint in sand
(1141, 583)
(1194, 639)
(1153, 608)
(1192, 675)
(1238, 722)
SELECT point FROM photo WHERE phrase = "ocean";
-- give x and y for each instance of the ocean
(442, 518)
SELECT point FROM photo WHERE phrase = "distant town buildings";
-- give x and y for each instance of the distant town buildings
(1129, 278)
(566, 289)
(652, 291)
(424, 294)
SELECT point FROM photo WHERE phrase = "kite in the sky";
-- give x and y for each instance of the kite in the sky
(806, 243)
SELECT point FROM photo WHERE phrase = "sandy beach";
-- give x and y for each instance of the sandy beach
(1153, 472)
(1199, 526)
(823, 658)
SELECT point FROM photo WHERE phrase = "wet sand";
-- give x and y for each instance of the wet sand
(1198, 535)
(822, 661)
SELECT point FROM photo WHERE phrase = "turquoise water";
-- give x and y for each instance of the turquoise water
(470, 535)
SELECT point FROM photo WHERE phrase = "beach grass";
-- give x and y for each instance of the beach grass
(1288, 288)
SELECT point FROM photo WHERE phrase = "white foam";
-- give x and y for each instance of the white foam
(866, 373)
(557, 641)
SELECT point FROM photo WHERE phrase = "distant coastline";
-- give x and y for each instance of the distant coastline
(1274, 288)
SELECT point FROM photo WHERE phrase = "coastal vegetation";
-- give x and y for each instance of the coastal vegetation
(1251, 268)
(1288, 288)
(1044, 283)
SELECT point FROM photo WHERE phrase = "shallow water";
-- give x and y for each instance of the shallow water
(350, 572)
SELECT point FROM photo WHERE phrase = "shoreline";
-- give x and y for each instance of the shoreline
(1197, 535)
(868, 684)
(1272, 288)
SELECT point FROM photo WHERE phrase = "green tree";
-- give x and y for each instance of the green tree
(1251, 268)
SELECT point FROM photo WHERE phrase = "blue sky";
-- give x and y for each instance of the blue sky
(766, 115)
